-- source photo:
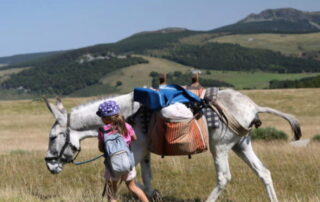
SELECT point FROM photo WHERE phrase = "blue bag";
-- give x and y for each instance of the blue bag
(168, 94)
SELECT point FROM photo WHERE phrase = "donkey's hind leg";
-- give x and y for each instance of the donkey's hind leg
(244, 150)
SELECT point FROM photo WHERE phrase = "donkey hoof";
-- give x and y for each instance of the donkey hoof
(156, 196)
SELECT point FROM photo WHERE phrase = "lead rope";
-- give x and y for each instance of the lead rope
(80, 162)
(87, 161)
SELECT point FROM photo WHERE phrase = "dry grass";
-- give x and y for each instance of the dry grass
(295, 174)
(25, 124)
(302, 103)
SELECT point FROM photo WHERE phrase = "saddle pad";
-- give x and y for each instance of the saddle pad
(213, 120)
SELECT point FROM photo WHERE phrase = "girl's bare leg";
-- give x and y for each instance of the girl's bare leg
(112, 190)
(137, 191)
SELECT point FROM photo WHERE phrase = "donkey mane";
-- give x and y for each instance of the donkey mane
(99, 99)
(84, 115)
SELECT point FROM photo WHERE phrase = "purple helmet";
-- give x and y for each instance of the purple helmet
(108, 108)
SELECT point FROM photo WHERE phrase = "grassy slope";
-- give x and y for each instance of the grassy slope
(138, 75)
(286, 43)
(295, 171)
(5, 74)
(11, 94)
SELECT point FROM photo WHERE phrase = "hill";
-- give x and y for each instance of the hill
(152, 40)
(140, 75)
(16, 59)
(284, 20)
(132, 76)
(287, 44)
(81, 71)
(62, 77)
(72, 71)
(217, 56)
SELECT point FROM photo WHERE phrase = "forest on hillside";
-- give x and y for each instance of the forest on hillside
(309, 82)
(280, 26)
(65, 78)
(223, 56)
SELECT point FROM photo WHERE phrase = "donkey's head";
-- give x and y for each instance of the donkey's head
(63, 144)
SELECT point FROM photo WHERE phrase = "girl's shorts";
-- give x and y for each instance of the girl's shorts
(127, 177)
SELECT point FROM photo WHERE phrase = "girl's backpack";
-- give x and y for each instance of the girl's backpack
(118, 157)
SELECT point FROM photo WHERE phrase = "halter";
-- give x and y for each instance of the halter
(66, 144)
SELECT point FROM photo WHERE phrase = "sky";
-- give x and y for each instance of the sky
(30, 26)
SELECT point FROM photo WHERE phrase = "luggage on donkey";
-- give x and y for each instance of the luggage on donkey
(166, 95)
(174, 130)
(119, 158)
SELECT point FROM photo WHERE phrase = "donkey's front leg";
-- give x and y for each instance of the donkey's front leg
(146, 174)
(221, 141)
(223, 173)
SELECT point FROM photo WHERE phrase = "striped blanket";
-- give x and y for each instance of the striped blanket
(210, 96)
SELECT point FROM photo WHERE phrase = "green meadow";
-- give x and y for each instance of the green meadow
(288, 44)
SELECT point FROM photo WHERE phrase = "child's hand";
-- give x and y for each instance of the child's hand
(101, 146)
(134, 138)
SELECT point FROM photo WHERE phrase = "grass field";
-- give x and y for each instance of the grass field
(252, 80)
(285, 43)
(24, 127)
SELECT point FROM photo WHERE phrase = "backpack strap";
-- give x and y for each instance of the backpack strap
(102, 130)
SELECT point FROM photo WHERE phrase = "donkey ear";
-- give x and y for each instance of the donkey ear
(60, 105)
(59, 115)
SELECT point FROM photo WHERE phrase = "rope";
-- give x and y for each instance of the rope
(87, 161)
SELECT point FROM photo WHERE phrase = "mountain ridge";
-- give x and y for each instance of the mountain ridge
(282, 20)
(288, 14)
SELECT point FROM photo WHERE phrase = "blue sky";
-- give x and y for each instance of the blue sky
(28, 26)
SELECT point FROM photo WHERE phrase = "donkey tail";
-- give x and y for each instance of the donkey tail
(294, 123)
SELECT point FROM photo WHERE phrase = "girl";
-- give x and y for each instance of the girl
(109, 113)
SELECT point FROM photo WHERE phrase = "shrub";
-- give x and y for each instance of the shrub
(153, 74)
(119, 83)
(316, 138)
(268, 134)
